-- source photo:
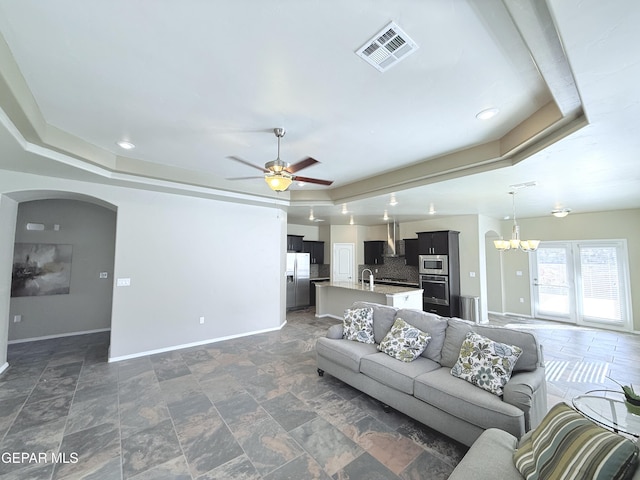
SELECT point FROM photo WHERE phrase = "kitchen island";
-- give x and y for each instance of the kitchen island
(332, 298)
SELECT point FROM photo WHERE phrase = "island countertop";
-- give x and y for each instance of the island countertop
(332, 298)
(383, 289)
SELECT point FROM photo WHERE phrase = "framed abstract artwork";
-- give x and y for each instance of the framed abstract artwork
(41, 269)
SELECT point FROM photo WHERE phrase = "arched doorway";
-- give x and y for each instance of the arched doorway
(87, 226)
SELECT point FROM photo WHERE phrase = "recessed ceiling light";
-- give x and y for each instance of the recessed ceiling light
(385, 217)
(393, 202)
(344, 209)
(487, 113)
(126, 145)
(351, 222)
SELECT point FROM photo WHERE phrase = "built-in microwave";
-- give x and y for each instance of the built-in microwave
(433, 265)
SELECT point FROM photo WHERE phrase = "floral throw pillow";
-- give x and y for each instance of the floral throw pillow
(485, 363)
(404, 342)
(358, 325)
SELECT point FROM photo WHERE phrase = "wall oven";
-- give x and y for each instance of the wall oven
(433, 264)
(436, 289)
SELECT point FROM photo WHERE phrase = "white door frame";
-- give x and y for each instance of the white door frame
(577, 309)
(571, 316)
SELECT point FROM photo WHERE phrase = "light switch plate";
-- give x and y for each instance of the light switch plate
(123, 282)
(104, 275)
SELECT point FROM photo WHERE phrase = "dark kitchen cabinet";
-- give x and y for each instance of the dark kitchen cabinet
(294, 243)
(373, 252)
(315, 250)
(447, 243)
(437, 243)
(411, 251)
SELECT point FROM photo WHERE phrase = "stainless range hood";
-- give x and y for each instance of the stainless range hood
(394, 247)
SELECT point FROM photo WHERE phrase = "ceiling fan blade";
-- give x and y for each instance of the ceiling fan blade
(238, 159)
(312, 180)
(243, 178)
(296, 167)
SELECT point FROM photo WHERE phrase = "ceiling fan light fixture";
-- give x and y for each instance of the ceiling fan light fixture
(276, 166)
(278, 182)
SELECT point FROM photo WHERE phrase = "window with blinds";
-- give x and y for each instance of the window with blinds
(600, 283)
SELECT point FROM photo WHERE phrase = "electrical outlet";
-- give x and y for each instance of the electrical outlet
(201, 320)
(472, 274)
(17, 318)
(521, 300)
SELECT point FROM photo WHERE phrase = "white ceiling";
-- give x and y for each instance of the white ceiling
(192, 83)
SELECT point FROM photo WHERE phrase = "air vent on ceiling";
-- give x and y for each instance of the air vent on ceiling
(387, 47)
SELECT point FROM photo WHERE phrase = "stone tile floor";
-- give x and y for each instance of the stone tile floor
(248, 408)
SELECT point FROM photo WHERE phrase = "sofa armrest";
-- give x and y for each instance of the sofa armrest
(335, 331)
(528, 392)
(489, 458)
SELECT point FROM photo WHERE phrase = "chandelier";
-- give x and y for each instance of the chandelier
(515, 242)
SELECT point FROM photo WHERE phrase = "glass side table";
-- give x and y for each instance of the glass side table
(609, 409)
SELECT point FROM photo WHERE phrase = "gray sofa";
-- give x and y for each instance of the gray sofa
(425, 390)
(491, 458)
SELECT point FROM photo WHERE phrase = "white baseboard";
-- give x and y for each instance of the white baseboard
(59, 335)
(189, 345)
(4, 367)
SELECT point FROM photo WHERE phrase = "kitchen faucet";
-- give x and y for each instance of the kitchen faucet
(370, 278)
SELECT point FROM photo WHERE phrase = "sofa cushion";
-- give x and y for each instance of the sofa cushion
(569, 446)
(383, 318)
(457, 332)
(393, 373)
(467, 402)
(430, 323)
(485, 363)
(358, 324)
(344, 352)
(404, 342)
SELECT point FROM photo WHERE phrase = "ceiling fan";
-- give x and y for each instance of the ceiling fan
(279, 174)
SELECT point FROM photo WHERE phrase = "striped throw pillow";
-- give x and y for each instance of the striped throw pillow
(568, 446)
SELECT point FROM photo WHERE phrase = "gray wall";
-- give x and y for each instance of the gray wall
(186, 257)
(90, 229)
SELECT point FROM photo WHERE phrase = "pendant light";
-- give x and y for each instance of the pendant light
(515, 242)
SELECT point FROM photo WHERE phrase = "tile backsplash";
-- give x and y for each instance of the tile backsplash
(393, 268)
(319, 271)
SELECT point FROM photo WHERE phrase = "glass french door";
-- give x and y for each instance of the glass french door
(553, 282)
(582, 282)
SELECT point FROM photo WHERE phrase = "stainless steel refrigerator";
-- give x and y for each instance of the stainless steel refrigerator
(297, 274)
